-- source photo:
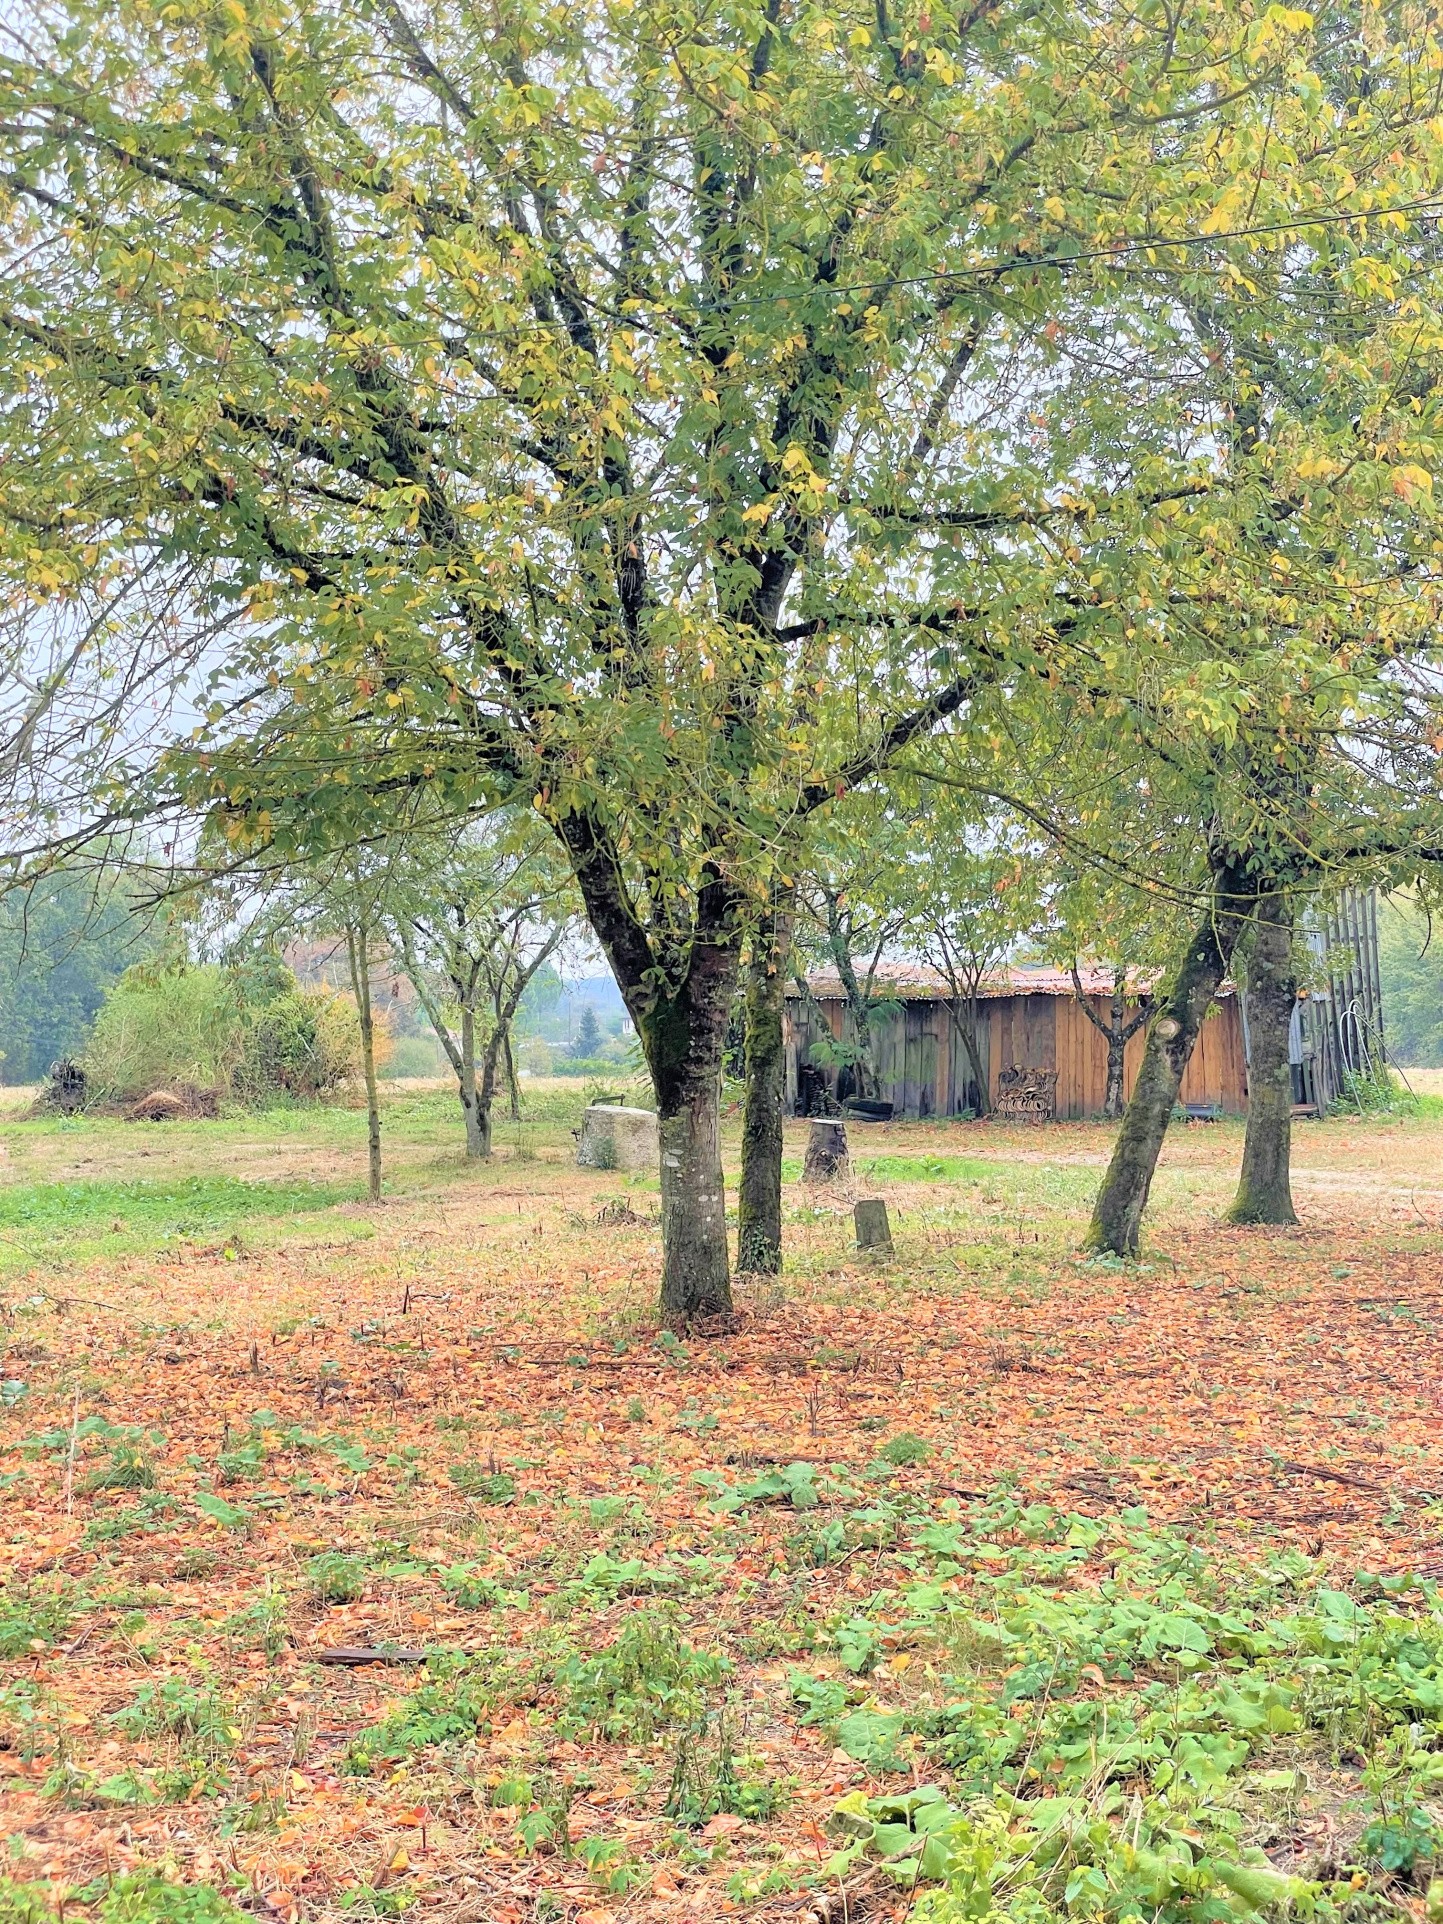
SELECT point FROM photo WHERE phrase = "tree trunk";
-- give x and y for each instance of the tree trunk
(826, 1152)
(759, 1197)
(966, 1027)
(1116, 1049)
(683, 1037)
(1264, 1189)
(1117, 1215)
(678, 999)
(1116, 1032)
(358, 954)
(513, 1087)
(478, 1136)
(459, 1052)
(486, 1094)
(1116, 1057)
(859, 1002)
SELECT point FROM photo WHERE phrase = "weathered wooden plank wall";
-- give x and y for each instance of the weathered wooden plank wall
(923, 1068)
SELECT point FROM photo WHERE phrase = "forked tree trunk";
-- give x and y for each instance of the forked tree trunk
(680, 1012)
(1172, 1034)
(759, 1198)
(1264, 1187)
(506, 993)
(358, 955)
(460, 1050)
(1116, 1032)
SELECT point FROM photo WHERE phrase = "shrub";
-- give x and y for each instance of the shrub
(176, 1708)
(304, 1044)
(413, 1055)
(129, 1468)
(447, 1708)
(252, 1031)
(25, 1903)
(32, 1617)
(162, 1026)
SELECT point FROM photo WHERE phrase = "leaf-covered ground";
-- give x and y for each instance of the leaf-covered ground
(982, 1578)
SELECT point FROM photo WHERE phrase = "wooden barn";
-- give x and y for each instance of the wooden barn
(1029, 1019)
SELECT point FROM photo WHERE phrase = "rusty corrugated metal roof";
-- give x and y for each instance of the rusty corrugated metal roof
(917, 982)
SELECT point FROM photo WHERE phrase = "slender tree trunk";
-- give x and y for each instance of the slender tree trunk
(1172, 1033)
(459, 1051)
(513, 1087)
(1264, 1188)
(759, 1196)
(478, 1137)
(358, 954)
(968, 1030)
(1116, 1060)
(1116, 1032)
(1116, 1053)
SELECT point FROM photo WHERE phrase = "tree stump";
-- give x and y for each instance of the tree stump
(613, 1137)
(67, 1089)
(874, 1232)
(826, 1153)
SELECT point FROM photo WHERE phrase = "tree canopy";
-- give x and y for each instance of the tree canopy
(63, 942)
(668, 414)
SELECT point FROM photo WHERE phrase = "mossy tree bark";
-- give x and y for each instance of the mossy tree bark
(759, 1198)
(1265, 1192)
(679, 1000)
(1172, 1034)
(683, 1038)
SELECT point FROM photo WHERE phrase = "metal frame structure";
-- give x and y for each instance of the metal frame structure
(1337, 1031)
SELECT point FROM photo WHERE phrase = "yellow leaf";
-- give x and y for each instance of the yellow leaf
(1409, 481)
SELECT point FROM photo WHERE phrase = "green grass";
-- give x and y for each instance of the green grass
(911, 1168)
(1410, 1106)
(927, 1168)
(47, 1219)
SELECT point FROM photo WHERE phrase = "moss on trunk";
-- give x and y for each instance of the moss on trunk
(759, 1196)
(1173, 1030)
(1265, 1192)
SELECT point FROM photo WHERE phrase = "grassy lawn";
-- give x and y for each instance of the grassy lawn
(981, 1579)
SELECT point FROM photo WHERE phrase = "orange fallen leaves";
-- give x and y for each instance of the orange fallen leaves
(1282, 1386)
